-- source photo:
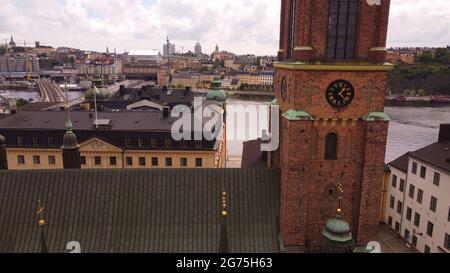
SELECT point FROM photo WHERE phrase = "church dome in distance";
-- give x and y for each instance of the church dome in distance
(216, 92)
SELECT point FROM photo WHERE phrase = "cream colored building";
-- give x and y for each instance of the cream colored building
(418, 199)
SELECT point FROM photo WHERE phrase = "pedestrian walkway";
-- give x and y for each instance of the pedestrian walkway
(392, 242)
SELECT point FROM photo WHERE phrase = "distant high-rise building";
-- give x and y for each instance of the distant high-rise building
(198, 49)
(12, 43)
(168, 48)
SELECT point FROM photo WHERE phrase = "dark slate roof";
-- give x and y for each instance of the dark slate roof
(171, 97)
(437, 154)
(252, 156)
(121, 121)
(401, 163)
(140, 211)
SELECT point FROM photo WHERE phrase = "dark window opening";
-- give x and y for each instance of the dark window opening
(430, 229)
(198, 162)
(83, 160)
(98, 160)
(342, 24)
(113, 161)
(20, 159)
(155, 162)
(168, 162)
(291, 36)
(129, 161)
(19, 141)
(36, 160)
(433, 204)
(394, 181)
(183, 162)
(331, 147)
(51, 160)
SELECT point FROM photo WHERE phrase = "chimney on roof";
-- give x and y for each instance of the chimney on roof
(444, 132)
(166, 111)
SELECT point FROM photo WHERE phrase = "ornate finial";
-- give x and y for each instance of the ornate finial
(40, 212)
(69, 125)
(340, 193)
(224, 246)
(224, 204)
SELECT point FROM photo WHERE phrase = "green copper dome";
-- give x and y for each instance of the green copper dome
(70, 141)
(337, 230)
(216, 92)
(2, 140)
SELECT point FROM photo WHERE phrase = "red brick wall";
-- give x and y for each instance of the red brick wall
(312, 27)
(300, 81)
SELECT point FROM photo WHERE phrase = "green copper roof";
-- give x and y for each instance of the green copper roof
(274, 102)
(217, 95)
(216, 84)
(376, 116)
(337, 230)
(297, 115)
(2, 140)
(216, 92)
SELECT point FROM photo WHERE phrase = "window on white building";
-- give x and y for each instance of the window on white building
(414, 168)
(433, 204)
(447, 241)
(409, 214)
(420, 196)
(423, 172)
(437, 179)
(412, 191)
(402, 185)
(399, 207)
(394, 181)
(417, 220)
(430, 229)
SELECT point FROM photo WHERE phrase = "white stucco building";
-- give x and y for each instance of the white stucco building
(418, 196)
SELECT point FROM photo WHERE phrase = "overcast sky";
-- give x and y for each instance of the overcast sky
(241, 26)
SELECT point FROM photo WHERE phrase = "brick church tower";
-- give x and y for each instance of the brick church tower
(330, 84)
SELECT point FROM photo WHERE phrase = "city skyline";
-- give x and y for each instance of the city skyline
(144, 24)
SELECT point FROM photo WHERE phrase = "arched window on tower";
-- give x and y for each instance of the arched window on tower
(291, 34)
(331, 146)
(343, 20)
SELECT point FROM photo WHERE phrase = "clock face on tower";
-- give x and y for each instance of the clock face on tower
(340, 93)
(284, 88)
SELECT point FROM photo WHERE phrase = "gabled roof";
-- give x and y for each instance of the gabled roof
(401, 163)
(96, 144)
(437, 154)
(140, 211)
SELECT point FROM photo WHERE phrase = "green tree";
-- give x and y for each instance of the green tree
(21, 102)
(442, 56)
(426, 57)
